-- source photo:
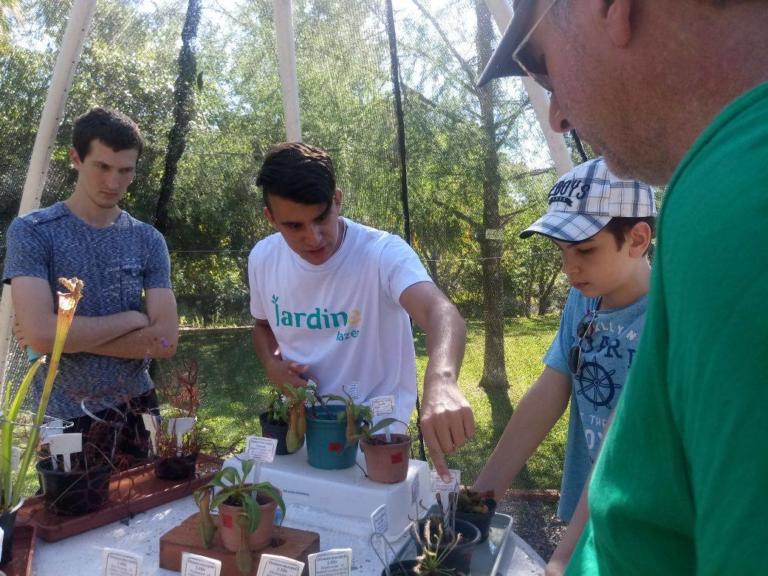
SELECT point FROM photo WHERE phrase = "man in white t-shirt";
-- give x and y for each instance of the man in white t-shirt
(331, 299)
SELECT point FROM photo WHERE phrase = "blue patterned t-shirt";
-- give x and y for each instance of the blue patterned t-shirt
(607, 356)
(116, 264)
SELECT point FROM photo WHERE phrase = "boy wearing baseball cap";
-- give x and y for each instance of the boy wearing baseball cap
(603, 227)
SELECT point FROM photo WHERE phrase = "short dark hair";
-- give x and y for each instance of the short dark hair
(619, 227)
(111, 127)
(298, 172)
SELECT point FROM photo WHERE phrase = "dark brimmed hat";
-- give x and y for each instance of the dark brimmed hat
(501, 62)
(585, 199)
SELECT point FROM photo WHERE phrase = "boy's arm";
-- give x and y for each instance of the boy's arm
(535, 415)
(36, 320)
(278, 370)
(446, 420)
(562, 554)
(157, 340)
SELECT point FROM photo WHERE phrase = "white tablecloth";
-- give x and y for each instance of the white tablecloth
(82, 555)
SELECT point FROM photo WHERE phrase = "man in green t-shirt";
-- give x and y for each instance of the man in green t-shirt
(675, 92)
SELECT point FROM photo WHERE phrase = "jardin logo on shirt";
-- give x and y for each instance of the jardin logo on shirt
(346, 324)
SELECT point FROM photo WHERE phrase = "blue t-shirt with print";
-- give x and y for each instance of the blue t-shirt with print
(116, 264)
(607, 355)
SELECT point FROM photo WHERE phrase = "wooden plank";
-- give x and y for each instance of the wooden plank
(130, 492)
(288, 542)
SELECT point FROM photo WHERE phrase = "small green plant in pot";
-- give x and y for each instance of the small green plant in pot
(246, 513)
(285, 420)
(333, 431)
(386, 453)
(13, 479)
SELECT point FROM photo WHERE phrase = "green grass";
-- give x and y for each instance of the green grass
(236, 391)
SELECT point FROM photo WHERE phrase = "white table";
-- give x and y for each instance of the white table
(82, 555)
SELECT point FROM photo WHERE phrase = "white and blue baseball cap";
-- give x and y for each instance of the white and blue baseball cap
(585, 199)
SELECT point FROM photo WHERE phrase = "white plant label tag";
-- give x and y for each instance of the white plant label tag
(335, 562)
(415, 490)
(380, 520)
(15, 458)
(121, 563)
(273, 565)
(196, 565)
(150, 424)
(383, 405)
(55, 426)
(64, 445)
(354, 390)
(178, 427)
(438, 485)
(260, 449)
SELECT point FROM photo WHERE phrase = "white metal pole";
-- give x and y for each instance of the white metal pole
(561, 157)
(80, 18)
(286, 57)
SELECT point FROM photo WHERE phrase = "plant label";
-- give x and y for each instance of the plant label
(354, 390)
(195, 565)
(415, 489)
(379, 520)
(151, 425)
(178, 427)
(55, 426)
(260, 449)
(273, 565)
(15, 457)
(121, 563)
(383, 405)
(439, 485)
(64, 445)
(335, 562)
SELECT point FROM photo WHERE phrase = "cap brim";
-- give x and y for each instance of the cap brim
(501, 63)
(567, 226)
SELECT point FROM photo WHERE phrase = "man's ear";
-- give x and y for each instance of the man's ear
(74, 157)
(639, 239)
(269, 217)
(337, 198)
(616, 19)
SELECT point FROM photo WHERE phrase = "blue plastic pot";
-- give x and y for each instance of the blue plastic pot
(326, 438)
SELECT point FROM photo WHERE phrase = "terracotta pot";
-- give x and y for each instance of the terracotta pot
(229, 530)
(386, 462)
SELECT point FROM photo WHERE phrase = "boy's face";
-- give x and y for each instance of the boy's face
(597, 267)
(311, 230)
(104, 175)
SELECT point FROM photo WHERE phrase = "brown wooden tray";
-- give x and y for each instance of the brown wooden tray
(288, 542)
(23, 552)
(130, 492)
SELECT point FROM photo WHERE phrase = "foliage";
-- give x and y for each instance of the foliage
(472, 501)
(436, 540)
(358, 417)
(12, 489)
(234, 490)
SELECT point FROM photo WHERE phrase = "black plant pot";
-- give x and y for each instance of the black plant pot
(482, 521)
(401, 568)
(176, 467)
(8, 523)
(74, 493)
(460, 558)
(276, 430)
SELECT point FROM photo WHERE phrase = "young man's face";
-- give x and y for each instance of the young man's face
(104, 175)
(597, 267)
(311, 230)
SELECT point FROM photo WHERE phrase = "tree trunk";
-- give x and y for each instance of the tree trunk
(494, 370)
(184, 101)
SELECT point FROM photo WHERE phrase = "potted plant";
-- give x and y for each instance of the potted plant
(12, 478)
(284, 420)
(333, 431)
(443, 549)
(174, 435)
(246, 513)
(477, 508)
(386, 454)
